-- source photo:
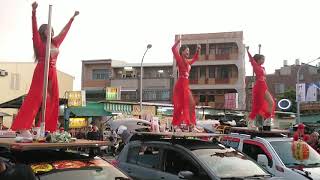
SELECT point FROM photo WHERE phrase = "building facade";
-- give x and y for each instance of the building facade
(219, 70)
(17, 80)
(157, 81)
(284, 79)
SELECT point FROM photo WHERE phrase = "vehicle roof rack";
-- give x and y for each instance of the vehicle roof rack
(257, 133)
(11, 144)
(171, 135)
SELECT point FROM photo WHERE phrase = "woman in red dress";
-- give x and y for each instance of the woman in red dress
(184, 105)
(33, 100)
(262, 101)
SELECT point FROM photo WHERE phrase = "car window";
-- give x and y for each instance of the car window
(228, 163)
(283, 149)
(231, 142)
(145, 155)
(175, 162)
(252, 150)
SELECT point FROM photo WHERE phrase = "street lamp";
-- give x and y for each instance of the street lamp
(298, 88)
(141, 75)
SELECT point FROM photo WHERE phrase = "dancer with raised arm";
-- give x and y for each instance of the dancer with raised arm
(33, 100)
(262, 101)
(184, 105)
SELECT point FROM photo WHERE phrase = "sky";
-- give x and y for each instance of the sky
(121, 29)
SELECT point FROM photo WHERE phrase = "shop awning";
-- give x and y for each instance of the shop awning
(16, 103)
(92, 109)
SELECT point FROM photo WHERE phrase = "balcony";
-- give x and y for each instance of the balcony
(212, 81)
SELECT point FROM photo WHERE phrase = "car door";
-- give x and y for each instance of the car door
(143, 162)
(175, 161)
(253, 148)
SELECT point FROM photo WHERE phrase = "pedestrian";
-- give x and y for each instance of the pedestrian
(262, 101)
(183, 102)
(33, 100)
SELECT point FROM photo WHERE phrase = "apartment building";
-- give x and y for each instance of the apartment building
(285, 78)
(15, 81)
(157, 81)
(219, 70)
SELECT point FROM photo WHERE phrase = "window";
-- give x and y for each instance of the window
(203, 72)
(15, 81)
(202, 98)
(211, 98)
(211, 72)
(193, 74)
(146, 156)
(203, 49)
(223, 72)
(175, 162)
(156, 94)
(252, 150)
(101, 74)
(279, 88)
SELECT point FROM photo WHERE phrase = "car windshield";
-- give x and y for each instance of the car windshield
(77, 170)
(283, 147)
(228, 163)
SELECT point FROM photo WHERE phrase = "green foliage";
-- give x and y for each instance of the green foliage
(291, 95)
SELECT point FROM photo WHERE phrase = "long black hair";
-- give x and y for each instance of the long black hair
(42, 30)
(182, 48)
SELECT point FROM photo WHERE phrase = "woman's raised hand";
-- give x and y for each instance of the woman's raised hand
(34, 6)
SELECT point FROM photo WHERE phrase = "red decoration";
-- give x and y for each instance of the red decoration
(300, 150)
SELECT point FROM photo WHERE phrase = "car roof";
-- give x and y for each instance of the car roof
(278, 139)
(187, 142)
(42, 155)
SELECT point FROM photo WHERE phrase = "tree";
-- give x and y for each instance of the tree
(291, 95)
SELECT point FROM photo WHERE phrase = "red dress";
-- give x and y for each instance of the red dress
(259, 104)
(181, 94)
(32, 102)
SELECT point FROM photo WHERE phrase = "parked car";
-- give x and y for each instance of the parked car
(50, 163)
(274, 154)
(152, 157)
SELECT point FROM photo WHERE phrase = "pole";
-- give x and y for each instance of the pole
(45, 79)
(141, 76)
(299, 87)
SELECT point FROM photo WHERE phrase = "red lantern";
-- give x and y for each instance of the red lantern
(300, 150)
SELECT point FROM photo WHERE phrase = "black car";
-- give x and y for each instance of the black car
(152, 157)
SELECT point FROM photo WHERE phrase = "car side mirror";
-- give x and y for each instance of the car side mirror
(262, 160)
(185, 175)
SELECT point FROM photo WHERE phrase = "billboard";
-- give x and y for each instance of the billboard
(231, 101)
(113, 93)
(76, 98)
(308, 92)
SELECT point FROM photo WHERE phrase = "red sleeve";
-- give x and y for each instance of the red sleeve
(176, 53)
(58, 39)
(195, 57)
(35, 33)
(256, 68)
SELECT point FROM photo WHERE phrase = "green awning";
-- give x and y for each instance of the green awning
(92, 109)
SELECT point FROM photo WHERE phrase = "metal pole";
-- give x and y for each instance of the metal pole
(298, 88)
(141, 75)
(45, 79)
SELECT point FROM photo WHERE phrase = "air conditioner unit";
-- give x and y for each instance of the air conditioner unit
(3, 73)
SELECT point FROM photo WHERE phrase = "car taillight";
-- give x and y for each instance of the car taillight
(115, 163)
(279, 168)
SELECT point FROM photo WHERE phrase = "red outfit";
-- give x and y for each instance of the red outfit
(33, 100)
(259, 104)
(181, 94)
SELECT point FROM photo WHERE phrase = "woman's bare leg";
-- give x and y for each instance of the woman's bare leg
(270, 101)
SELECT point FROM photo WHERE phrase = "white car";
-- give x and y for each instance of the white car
(275, 154)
